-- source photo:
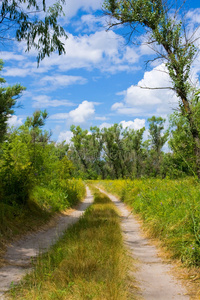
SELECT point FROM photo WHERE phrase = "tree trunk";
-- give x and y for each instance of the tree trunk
(195, 135)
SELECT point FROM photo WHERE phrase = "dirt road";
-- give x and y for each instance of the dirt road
(153, 276)
(19, 256)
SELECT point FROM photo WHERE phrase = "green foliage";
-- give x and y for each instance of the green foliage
(8, 97)
(86, 152)
(181, 143)
(107, 152)
(170, 210)
(43, 34)
(32, 167)
(58, 196)
(164, 27)
(36, 179)
(157, 140)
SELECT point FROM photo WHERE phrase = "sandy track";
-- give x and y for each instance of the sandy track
(153, 276)
(19, 256)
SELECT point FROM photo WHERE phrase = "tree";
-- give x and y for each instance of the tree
(157, 140)
(181, 143)
(38, 137)
(167, 32)
(114, 150)
(8, 98)
(133, 146)
(20, 17)
(86, 151)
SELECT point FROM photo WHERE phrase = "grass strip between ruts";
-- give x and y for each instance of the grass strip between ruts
(89, 262)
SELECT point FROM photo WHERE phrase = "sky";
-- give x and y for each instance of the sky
(101, 78)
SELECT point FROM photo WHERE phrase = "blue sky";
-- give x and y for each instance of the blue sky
(97, 82)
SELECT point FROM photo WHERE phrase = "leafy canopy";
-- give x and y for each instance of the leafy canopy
(33, 22)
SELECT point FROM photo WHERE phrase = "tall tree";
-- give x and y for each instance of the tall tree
(86, 151)
(181, 143)
(157, 140)
(133, 146)
(157, 137)
(19, 18)
(8, 98)
(114, 150)
(167, 31)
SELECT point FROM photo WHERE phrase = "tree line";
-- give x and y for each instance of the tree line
(115, 152)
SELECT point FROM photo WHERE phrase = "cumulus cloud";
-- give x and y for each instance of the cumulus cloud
(82, 113)
(103, 50)
(105, 125)
(65, 136)
(14, 121)
(136, 124)
(145, 98)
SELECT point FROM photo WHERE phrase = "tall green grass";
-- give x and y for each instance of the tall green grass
(170, 210)
(89, 262)
(57, 196)
(17, 219)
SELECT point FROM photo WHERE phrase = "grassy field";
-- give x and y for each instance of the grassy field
(170, 210)
(89, 262)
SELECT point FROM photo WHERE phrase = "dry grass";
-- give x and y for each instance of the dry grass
(89, 262)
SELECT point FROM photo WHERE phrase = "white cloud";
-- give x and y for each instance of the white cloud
(105, 125)
(89, 23)
(136, 124)
(11, 56)
(62, 80)
(194, 15)
(82, 113)
(65, 136)
(145, 98)
(103, 50)
(106, 51)
(72, 7)
(59, 116)
(14, 121)
(28, 69)
(16, 72)
(46, 101)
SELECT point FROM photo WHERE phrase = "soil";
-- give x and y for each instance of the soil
(153, 276)
(19, 256)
